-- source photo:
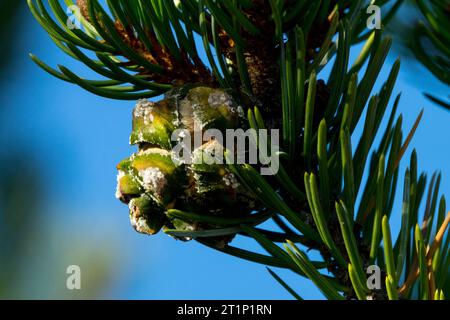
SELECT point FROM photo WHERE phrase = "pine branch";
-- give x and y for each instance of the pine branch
(265, 57)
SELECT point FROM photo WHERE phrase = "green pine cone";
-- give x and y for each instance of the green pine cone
(153, 180)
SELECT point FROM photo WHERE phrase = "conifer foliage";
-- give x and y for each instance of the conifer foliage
(268, 64)
(433, 30)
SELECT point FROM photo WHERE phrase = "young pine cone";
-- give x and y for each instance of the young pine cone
(156, 179)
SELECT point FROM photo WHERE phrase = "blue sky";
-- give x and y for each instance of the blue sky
(76, 140)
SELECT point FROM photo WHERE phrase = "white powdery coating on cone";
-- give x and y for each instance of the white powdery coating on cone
(120, 175)
(218, 98)
(138, 222)
(231, 181)
(153, 180)
(144, 109)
